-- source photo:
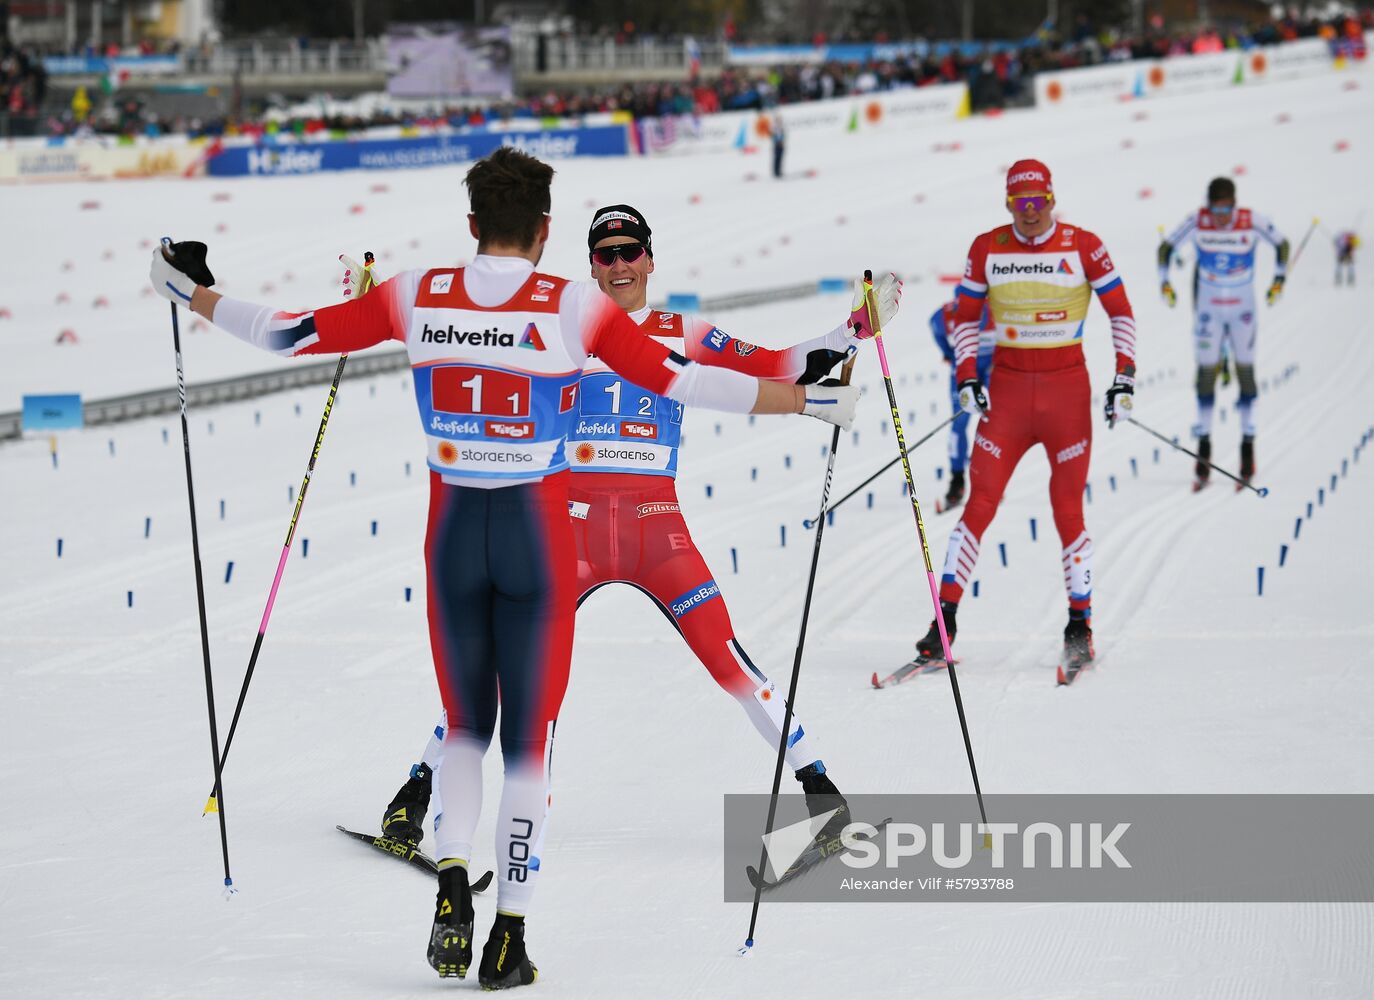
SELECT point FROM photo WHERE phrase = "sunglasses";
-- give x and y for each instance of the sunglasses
(1221, 209)
(1029, 202)
(628, 252)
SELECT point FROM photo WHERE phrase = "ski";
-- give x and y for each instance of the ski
(914, 668)
(1201, 484)
(810, 858)
(402, 851)
(1067, 673)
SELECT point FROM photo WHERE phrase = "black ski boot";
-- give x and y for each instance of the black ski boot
(1247, 459)
(930, 647)
(954, 496)
(504, 962)
(450, 939)
(821, 797)
(404, 819)
(1078, 648)
(1201, 470)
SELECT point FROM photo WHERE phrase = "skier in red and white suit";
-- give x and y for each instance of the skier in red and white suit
(1037, 277)
(622, 498)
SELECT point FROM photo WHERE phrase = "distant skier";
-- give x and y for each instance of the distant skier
(496, 351)
(1037, 277)
(1225, 238)
(1346, 245)
(777, 131)
(942, 329)
(627, 521)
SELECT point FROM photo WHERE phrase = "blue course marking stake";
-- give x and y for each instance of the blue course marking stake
(1261, 581)
(221, 510)
(164, 435)
(131, 598)
(939, 473)
(1002, 551)
(1283, 555)
(1135, 470)
(1032, 521)
(1321, 497)
(407, 595)
(147, 526)
(1297, 528)
(1309, 510)
(782, 534)
(374, 527)
(1111, 481)
(59, 548)
(228, 571)
(352, 479)
(734, 560)
(1156, 456)
(257, 418)
(787, 461)
(753, 473)
(111, 447)
(870, 499)
(305, 547)
(708, 491)
(830, 517)
(1088, 492)
(975, 588)
(290, 494)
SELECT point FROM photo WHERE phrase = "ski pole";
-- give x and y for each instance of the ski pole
(200, 582)
(796, 665)
(933, 431)
(212, 804)
(1261, 490)
(925, 546)
(1298, 253)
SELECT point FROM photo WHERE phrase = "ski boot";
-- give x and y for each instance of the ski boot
(930, 648)
(450, 939)
(504, 962)
(1201, 470)
(954, 496)
(1078, 649)
(821, 797)
(404, 819)
(1247, 461)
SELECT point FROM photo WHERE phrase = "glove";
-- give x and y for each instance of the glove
(178, 268)
(832, 402)
(973, 398)
(1167, 292)
(1275, 290)
(887, 292)
(1120, 399)
(357, 279)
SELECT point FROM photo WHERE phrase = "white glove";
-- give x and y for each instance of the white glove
(973, 397)
(888, 293)
(358, 279)
(177, 269)
(832, 402)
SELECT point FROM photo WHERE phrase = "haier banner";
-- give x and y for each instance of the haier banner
(421, 151)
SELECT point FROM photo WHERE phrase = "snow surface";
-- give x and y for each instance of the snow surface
(111, 883)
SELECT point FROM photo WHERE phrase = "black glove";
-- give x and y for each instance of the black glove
(1120, 399)
(973, 398)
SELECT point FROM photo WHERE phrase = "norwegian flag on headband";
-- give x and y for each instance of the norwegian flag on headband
(614, 224)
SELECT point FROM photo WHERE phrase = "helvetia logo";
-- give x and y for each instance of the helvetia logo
(472, 338)
(1013, 268)
(531, 339)
(1064, 266)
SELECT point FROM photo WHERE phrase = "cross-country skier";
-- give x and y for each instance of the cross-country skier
(942, 329)
(623, 498)
(1037, 277)
(497, 350)
(1225, 239)
(1346, 244)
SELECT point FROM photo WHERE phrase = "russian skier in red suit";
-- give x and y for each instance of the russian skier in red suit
(1037, 277)
(627, 523)
(497, 351)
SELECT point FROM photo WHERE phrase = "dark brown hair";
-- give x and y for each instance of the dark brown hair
(509, 194)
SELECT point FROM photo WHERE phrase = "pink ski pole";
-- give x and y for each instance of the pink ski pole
(212, 804)
(872, 301)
